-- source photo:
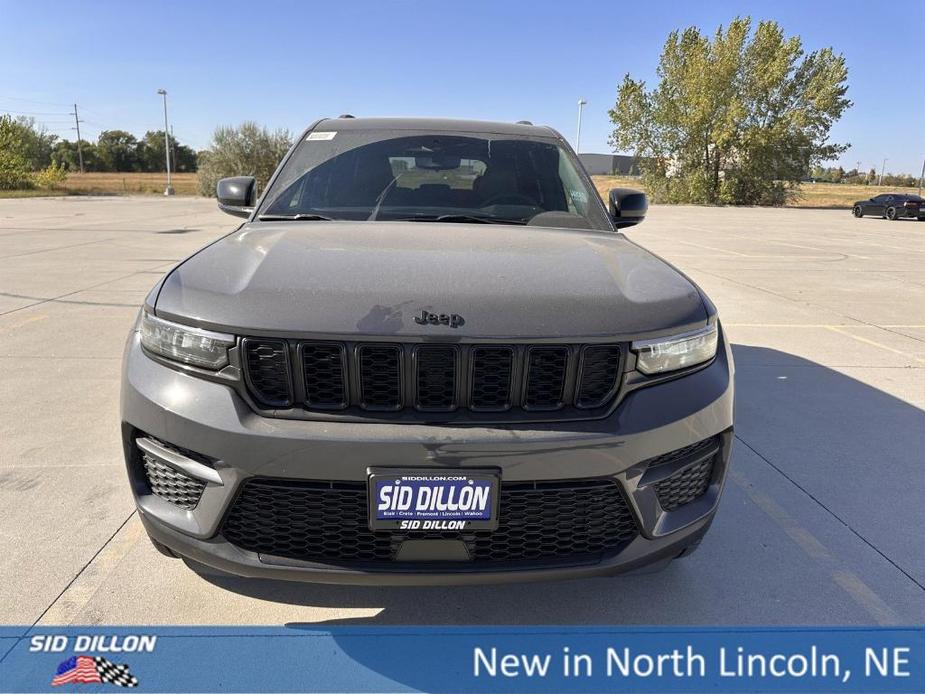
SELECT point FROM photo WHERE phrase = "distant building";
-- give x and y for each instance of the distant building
(610, 164)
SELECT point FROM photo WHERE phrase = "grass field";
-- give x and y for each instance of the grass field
(811, 194)
(115, 184)
(838, 195)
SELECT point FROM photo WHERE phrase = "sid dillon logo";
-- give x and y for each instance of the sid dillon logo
(454, 320)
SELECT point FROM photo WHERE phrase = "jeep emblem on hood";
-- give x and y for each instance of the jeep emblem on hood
(454, 320)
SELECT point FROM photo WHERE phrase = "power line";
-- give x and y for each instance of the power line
(34, 113)
(32, 101)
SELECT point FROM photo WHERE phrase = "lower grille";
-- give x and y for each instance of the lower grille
(578, 521)
(171, 484)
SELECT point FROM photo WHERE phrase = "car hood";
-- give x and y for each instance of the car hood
(338, 279)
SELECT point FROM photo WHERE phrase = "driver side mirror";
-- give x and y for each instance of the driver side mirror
(627, 207)
(237, 195)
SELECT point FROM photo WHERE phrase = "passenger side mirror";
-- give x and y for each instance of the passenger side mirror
(627, 207)
(237, 195)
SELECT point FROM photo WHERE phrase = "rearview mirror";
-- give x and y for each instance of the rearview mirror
(237, 195)
(627, 207)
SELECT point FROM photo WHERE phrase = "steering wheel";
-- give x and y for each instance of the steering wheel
(509, 199)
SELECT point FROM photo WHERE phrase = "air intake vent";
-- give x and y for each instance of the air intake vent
(325, 371)
(435, 378)
(600, 369)
(380, 377)
(492, 372)
(545, 378)
(172, 485)
(267, 366)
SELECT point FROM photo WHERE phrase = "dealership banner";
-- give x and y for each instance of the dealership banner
(309, 658)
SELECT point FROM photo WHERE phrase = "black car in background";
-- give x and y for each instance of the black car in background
(893, 206)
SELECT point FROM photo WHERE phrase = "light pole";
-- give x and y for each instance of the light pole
(169, 189)
(921, 177)
(882, 169)
(581, 103)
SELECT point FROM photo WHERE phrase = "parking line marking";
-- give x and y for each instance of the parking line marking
(25, 321)
(816, 325)
(725, 251)
(876, 344)
(73, 599)
(847, 580)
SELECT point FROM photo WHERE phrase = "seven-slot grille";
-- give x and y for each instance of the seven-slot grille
(382, 377)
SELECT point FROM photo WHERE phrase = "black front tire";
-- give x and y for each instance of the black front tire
(891, 214)
(857, 211)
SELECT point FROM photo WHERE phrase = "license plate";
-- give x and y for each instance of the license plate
(426, 500)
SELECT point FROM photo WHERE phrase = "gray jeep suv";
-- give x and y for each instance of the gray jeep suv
(428, 356)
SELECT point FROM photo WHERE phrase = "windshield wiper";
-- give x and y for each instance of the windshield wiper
(302, 217)
(463, 218)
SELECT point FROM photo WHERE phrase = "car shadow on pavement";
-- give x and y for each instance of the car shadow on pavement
(807, 438)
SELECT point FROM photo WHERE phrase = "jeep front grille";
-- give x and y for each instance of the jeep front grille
(267, 365)
(472, 380)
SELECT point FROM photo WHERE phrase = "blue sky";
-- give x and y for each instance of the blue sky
(285, 63)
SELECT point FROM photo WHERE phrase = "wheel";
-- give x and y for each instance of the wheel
(857, 211)
(891, 214)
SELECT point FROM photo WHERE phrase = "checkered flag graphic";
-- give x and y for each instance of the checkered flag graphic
(114, 673)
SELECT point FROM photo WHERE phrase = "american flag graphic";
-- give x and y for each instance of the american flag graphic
(87, 669)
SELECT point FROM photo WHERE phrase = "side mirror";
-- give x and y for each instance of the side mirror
(627, 207)
(237, 195)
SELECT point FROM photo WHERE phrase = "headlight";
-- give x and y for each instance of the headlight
(675, 352)
(187, 345)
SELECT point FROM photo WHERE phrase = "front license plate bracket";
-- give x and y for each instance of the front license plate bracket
(429, 500)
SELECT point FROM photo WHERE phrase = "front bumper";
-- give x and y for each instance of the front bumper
(212, 420)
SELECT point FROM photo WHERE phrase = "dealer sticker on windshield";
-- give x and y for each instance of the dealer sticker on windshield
(426, 500)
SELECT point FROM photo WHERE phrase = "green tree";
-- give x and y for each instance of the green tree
(15, 171)
(739, 118)
(117, 151)
(151, 157)
(247, 150)
(36, 143)
(65, 154)
(51, 177)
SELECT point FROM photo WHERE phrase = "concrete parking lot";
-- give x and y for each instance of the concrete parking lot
(823, 516)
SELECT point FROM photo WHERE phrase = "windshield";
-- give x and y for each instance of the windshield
(407, 175)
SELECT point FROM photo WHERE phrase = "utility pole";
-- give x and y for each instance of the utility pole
(581, 103)
(80, 154)
(921, 176)
(882, 169)
(169, 189)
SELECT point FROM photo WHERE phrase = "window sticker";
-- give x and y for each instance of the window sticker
(578, 196)
(328, 135)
